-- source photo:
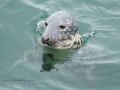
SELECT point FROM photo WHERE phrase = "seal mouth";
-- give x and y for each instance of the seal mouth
(46, 43)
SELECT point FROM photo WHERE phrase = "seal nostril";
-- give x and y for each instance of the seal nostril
(47, 39)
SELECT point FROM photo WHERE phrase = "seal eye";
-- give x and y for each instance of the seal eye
(46, 24)
(62, 26)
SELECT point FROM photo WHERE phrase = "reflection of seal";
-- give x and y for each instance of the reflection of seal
(61, 31)
(53, 57)
(48, 60)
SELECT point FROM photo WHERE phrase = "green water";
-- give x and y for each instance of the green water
(26, 66)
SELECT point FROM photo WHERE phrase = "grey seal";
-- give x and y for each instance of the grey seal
(61, 31)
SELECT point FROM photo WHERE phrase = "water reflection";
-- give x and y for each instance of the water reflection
(43, 58)
(51, 57)
(48, 62)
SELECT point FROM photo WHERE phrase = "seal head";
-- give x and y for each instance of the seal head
(61, 31)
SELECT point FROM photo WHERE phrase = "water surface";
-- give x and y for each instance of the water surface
(26, 66)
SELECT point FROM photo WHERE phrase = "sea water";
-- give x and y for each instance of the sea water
(24, 65)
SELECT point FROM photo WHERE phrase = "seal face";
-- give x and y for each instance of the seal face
(61, 31)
